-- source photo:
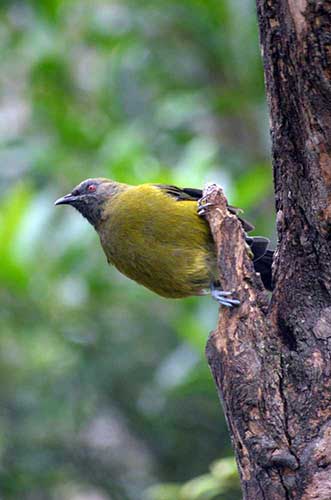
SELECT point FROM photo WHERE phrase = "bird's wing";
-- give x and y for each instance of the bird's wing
(181, 194)
(192, 194)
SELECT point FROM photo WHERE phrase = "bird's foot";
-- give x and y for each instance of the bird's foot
(202, 206)
(222, 297)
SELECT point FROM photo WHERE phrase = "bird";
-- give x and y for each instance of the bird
(154, 234)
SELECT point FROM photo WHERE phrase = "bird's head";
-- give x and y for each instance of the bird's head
(90, 198)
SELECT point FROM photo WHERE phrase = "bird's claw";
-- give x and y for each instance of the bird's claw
(221, 297)
(202, 206)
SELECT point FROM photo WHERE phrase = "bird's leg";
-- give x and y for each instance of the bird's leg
(222, 297)
(202, 206)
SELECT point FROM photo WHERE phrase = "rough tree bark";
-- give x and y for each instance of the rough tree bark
(271, 360)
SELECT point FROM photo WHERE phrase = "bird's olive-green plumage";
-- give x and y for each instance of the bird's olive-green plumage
(157, 241)
(151, 233)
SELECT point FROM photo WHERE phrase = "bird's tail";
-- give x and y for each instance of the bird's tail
(262, 258)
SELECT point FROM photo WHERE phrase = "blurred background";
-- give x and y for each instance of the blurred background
(105, 391)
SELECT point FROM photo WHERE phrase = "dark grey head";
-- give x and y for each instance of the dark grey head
(90, 198)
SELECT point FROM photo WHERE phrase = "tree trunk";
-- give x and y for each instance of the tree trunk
(271, 361)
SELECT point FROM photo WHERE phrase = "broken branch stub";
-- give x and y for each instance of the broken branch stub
(243, 354)
(235, 265)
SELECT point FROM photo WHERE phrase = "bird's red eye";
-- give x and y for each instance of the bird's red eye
(91, 188)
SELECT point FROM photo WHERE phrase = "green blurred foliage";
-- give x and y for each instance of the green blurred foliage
(105, 391)
(221, 483)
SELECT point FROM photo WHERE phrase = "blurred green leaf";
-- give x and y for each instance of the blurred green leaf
(164, 492)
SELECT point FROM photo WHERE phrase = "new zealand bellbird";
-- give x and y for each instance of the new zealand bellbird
(154, 235)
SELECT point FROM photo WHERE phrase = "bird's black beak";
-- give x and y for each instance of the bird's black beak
(68, 199)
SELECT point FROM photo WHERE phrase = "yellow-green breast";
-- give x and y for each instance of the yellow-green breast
(158, 241)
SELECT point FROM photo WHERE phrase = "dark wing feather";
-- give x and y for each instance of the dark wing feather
(192, 194)
(258, 245)
(263, 265)
(185, 194)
